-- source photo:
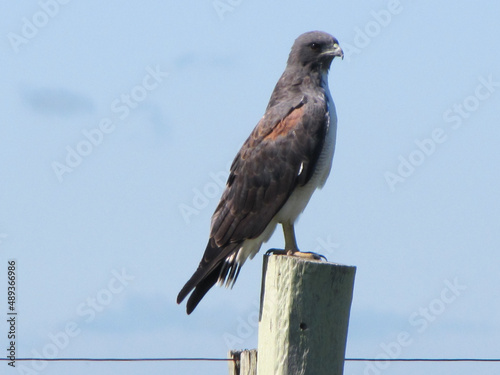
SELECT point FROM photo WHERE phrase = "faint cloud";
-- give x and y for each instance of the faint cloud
(153, 310)
(185, 60)
(122, 106)
(146, 312)
(369, 323)
(156, 117)
(190, 59)
(223, 62)
(56, 101)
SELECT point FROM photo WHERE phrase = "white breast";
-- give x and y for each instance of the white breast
(300, 197)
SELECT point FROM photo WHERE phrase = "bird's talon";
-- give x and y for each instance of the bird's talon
(276, 252)
(297, 253)
(309, 255)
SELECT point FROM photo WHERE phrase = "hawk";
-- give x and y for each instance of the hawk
(284, 160)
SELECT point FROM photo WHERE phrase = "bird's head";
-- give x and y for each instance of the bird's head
(316, 49)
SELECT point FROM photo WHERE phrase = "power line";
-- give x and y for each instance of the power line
(186, 359)
(423, 359)
(201, 359)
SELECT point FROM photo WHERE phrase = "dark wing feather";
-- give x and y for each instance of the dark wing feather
(279, 155)
(266, 170)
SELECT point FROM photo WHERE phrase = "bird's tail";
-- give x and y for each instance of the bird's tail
(213, 268)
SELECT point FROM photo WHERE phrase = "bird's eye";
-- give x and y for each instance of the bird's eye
(315, 46)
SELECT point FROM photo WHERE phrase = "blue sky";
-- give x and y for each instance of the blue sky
(118, 124)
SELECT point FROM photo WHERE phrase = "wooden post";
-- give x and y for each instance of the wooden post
(245, 362)
(304, 315)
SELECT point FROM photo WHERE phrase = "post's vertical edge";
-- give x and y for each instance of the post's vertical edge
(234, 365)
(263, 283)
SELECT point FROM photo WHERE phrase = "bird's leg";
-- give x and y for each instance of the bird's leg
(290, 241)
(291, 247)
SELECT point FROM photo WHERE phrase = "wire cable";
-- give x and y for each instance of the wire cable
(202, 359)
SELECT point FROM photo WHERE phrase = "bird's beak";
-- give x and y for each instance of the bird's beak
(337, 51)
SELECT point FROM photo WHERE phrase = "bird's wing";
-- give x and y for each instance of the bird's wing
(279, 155)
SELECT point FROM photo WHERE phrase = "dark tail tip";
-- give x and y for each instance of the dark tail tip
(184, 292)
(200, 289)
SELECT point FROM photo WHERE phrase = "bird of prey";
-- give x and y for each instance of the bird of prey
(284, 160)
